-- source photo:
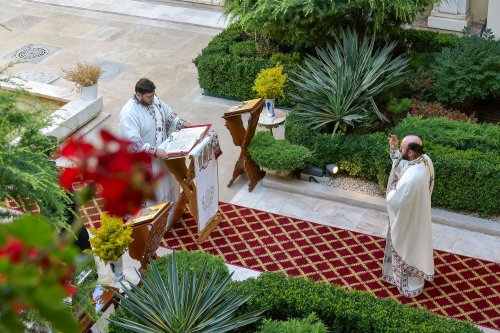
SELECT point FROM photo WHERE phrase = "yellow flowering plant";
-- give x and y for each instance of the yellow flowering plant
(111, 240)
(270, 82)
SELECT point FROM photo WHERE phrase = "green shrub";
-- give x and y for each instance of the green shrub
(459, 173)
(455, 134)
(399, 106)
(310, 324)
(245, 49)
(311, 23)
(466, 180)
(468, 72)
(192, 262)
(277, 155)
(229, 76)
(412, 41)
(341, 310)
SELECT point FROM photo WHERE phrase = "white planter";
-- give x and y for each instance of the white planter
(89, 93)
(269, 107)
(117, 269)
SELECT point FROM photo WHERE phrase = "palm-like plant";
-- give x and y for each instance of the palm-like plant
(192, 305)
(336, 90)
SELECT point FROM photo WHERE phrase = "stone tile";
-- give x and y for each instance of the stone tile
(241, 273)
(111, 69)
(32, 53)
(374, 223)
(101, 33)
(248, 199)
(22, 22)
(38, 76)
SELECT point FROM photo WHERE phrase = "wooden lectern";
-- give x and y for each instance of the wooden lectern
(185, 176)
(242, 138)
(147, 233)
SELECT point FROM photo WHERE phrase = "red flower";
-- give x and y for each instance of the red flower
(70, 289)
(12, 249)
(16, 306)
(125, 177)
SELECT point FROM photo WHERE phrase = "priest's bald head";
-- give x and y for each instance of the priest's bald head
(412, 147)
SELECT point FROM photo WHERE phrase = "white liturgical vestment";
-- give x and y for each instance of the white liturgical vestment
(147, 127)
(408, 259)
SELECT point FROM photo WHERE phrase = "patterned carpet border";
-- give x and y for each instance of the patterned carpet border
(464, 288)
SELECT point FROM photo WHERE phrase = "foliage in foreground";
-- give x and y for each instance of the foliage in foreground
(193, 304)
(36, 266)
(310, 324)
(28, 178)
(341, 310)
(336, 90)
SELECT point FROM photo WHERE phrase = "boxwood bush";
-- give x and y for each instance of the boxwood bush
(341, 310)
(278, 155)
(459, 173)
(228, 66)
(190, 261)
(455, 134)
(310, 324)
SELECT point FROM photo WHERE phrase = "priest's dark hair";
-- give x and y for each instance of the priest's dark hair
(144, 86)
(419, 149)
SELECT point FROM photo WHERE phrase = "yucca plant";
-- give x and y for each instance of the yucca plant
(189, 305)
(337, 89)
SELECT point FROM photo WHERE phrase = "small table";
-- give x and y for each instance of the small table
(272, 122)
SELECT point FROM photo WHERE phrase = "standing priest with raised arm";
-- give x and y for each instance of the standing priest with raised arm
(408, 259)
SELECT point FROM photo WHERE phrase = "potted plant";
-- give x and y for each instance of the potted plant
(269, 85)
(110, 242)
(85, 76)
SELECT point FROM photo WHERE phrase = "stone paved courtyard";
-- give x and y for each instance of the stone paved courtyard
(158, 40)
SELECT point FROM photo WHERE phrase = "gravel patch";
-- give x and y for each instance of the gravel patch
(355, 185)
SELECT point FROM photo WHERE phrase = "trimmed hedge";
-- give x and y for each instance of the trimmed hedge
(310, 324)
(465, 179)
(455, 134)
(190, 261)
(229, 65)
(277, 155)
(341, 310)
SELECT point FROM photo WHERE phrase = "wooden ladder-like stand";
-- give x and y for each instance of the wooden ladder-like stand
(242, 138)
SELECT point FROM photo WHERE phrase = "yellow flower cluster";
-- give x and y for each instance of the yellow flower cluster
(270, 82)
(111, 239)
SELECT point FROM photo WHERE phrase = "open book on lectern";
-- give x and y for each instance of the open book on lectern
(181, 142)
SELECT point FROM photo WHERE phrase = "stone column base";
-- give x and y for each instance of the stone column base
(450, 22)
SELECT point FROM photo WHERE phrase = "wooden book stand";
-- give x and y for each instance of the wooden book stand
(147, 236)
(242, 138)
(185, 176)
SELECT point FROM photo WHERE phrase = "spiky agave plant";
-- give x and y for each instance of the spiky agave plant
(337, 89)
(191, 305)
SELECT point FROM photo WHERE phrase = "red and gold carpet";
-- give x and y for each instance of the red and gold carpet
(464, 288)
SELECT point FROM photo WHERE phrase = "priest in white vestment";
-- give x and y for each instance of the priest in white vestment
(408, 259)
(147, 121)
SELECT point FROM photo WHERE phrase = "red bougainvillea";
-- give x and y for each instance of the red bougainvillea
(125, 177)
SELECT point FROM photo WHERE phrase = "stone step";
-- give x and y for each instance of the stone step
(316, 190)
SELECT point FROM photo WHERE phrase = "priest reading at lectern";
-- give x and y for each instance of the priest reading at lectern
(147, 122)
